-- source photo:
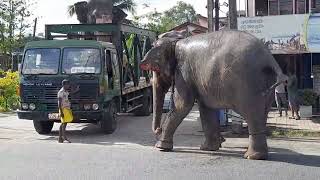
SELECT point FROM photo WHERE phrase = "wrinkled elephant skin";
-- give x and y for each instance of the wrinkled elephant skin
(225, 69)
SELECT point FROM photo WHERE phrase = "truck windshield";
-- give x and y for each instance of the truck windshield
(81, 61)
(41, 61)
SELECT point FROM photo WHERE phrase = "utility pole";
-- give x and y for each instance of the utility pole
(35, 28)
(233, 14)
(210, 15)
(216, 19)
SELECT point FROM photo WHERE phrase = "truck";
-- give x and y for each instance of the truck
(106, 74)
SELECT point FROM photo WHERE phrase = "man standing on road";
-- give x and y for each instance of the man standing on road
(281, 99)
(64, 109)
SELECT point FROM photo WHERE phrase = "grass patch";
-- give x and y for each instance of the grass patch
(292, 133)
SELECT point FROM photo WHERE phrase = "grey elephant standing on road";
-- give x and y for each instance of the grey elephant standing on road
(225, 69)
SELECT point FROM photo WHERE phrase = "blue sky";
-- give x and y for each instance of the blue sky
(55, 11)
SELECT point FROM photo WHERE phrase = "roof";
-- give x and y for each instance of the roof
(200, 16)
(66, 43)
(189, 23)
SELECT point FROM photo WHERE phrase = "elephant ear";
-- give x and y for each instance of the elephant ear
(151, 60)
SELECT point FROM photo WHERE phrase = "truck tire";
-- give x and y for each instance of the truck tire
(108, 123)
(146, 109)
(43, 127)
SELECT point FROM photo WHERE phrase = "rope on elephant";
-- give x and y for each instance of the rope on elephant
(172, 94)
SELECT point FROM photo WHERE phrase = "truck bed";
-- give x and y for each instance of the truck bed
(129, 87)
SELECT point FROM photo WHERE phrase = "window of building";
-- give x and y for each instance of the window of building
(300, 6)
(285, 7)
(273, 7)
(261, 8)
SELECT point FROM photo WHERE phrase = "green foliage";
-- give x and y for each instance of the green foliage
(126, 5)
(278, 132)
(81, 9)
(8, 91)
(13, 23)
(308, 97)
(163, 22)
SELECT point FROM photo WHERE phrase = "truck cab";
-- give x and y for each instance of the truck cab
(106, 75)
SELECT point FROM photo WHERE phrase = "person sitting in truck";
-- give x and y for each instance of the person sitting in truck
(65, 110)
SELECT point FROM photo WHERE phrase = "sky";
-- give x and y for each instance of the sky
(55, 11)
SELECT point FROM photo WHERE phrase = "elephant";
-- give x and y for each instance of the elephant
(225, 69)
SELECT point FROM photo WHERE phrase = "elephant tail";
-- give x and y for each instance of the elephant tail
(281, 78)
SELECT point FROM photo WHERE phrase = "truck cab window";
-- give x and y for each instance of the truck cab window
(108, 68)
(115, 64)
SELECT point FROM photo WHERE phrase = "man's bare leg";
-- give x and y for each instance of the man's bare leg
(60, 140)
(64, 133)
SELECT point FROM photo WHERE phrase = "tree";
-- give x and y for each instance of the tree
(163, 22)
(181, 13)
(83, 9)
(13, 23)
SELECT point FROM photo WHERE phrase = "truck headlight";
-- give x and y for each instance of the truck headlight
(24, 106)
(32, 106)
(95, 107)
(87, 107)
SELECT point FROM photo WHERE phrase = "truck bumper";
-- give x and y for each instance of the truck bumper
(79, 116)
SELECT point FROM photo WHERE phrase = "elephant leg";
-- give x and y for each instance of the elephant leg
(182, 105)
(211, 127)
(258, 149)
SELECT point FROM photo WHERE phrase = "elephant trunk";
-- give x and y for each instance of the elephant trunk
(158, 99)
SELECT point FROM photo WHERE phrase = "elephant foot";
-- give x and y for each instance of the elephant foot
(210, 146)
(164, 146)
(253, 155)
(258, 149)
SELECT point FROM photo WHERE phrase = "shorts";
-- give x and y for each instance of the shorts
(68, 117)
(294, 102)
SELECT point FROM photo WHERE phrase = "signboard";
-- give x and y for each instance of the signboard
(298, 33)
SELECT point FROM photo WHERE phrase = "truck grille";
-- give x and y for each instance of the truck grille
(52, 107)
(44, 93)
(33, 93)
(88, 91)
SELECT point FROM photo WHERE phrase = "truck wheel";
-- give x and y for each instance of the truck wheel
(108, 123)
(146, 109)
(43, 127)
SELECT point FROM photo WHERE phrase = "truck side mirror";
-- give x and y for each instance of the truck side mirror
(19, 67)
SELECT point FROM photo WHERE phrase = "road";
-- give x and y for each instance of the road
(129, 154)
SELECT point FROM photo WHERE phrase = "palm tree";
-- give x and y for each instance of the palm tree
(83, 9)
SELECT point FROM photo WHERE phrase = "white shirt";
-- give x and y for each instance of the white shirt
(280, 89)
(63, 95)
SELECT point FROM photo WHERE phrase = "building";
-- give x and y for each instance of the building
(281, 7)
(290, 29)
(199, 26)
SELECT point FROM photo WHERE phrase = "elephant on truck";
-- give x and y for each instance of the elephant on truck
(225, 69)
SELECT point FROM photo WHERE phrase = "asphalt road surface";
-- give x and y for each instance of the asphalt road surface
(129, 154)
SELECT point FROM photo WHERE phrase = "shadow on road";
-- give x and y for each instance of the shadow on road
(288, 156)
(135, 130)
(130, 130)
